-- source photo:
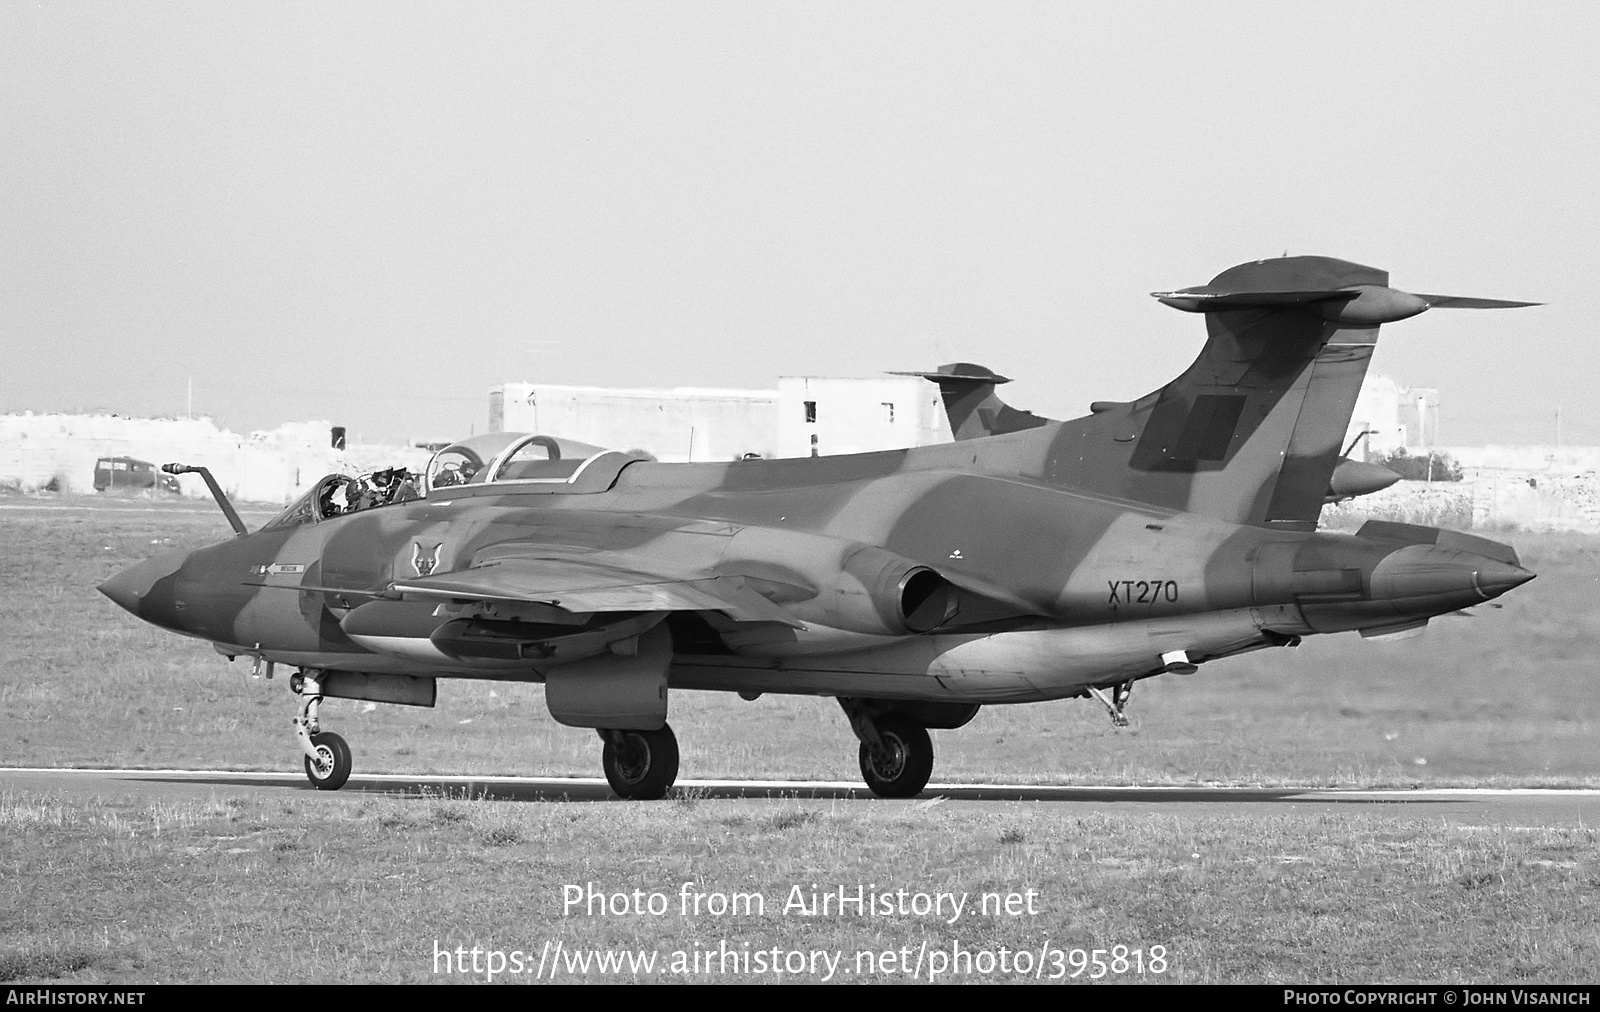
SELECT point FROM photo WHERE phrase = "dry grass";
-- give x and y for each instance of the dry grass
(346, 889)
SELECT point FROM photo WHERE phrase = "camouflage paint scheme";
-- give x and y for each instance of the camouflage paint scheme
(1029, 560)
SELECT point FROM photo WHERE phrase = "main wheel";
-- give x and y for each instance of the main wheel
(902, 767)
(331, 768)
(641, 765)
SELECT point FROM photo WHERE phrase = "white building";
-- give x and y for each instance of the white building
(1389, 417)
(821, 416)
(681, 424)
(805, 416)
(824, 416)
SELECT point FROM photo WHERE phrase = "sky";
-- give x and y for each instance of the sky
(371, 213)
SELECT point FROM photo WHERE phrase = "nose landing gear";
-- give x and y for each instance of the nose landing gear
(327, 756)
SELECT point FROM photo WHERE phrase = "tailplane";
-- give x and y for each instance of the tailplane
(1251, 431)
(970, 401)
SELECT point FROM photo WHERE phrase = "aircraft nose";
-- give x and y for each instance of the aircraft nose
(138, 587)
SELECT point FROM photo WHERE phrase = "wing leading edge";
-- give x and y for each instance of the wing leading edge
(586, 586)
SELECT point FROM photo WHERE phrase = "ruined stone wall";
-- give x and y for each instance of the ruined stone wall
(44, 451)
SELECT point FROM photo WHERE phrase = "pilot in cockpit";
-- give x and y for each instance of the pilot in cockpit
(456, 474)
(392, 485)
(405, 486)
(382, 483)
(358, 495)
(330, 503)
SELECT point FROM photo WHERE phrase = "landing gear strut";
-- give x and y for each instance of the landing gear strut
(896, 753)
(327, 756)
(1115, 702)
(640, 765)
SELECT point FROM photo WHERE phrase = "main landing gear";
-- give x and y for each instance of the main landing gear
(1115, 702)
(640, 765)
(896, 753)
(327, 760)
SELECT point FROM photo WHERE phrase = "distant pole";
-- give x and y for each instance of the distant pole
(189, 410)
(1428, 444)
(1558, 426)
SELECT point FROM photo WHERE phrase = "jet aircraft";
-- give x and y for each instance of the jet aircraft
(1028, 560)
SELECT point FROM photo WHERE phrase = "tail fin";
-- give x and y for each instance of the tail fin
(970, 401)
(1251, 431)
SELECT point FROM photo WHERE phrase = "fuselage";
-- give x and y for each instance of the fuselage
(1052, 589)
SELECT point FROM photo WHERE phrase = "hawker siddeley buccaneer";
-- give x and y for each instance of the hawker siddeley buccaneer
(1029, 560)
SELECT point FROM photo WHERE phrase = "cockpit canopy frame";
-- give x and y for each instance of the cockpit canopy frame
(528, 461)
(498, 458)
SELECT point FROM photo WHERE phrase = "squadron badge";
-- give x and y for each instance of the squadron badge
(423, 560)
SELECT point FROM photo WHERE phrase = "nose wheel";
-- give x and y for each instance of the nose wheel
(640, 765)
(330, 768)
(327, 756)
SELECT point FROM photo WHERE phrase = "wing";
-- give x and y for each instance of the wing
(593, 582)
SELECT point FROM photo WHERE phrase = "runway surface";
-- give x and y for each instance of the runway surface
(1526, 807)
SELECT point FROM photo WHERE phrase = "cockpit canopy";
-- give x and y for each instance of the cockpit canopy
(507, 456)
(339, 494)
(490, 457)
(461, 463)
(327, 498)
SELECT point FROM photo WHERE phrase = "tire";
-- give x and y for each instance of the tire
(902, 771)
(331, 774)
(643, 766)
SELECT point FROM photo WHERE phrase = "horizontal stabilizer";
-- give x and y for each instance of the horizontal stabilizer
(584, 587)
(1352, 305)
(971, 404)
(1463, 302)
(1208, 300)
(955, 372)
